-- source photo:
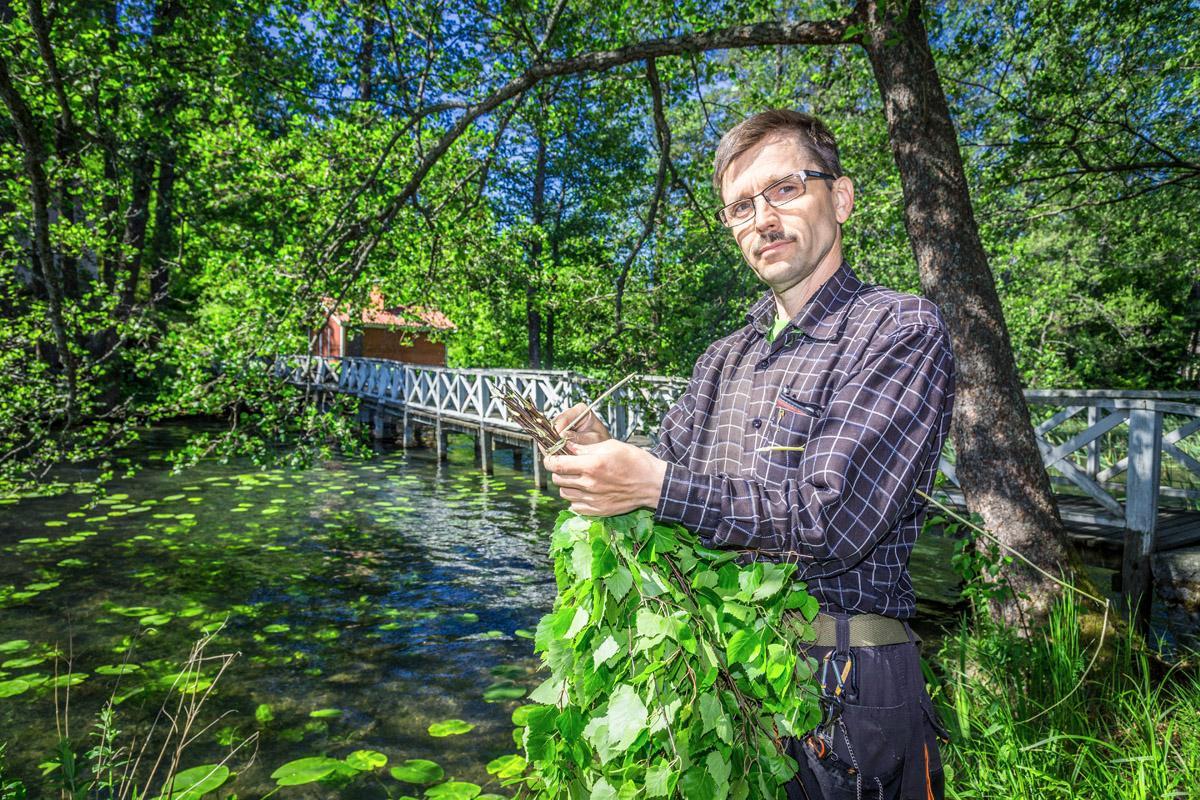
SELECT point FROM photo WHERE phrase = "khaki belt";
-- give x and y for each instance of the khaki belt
(866, 630)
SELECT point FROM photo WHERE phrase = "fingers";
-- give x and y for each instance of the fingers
(569, 464)
(567, 417)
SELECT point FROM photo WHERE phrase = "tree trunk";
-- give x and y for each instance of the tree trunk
(162, 242)
(532, 313)
(999, 465)
(136, 219)
(366, 53)
(39, 198)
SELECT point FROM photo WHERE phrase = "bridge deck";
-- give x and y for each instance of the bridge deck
(1087, 528)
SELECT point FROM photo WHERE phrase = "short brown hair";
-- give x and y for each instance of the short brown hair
(814, 137)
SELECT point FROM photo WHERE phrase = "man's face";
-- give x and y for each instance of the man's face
(784, 246)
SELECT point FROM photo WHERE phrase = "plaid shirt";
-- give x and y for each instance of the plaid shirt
(861, 386)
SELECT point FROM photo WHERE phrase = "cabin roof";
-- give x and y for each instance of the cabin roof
(377, 312)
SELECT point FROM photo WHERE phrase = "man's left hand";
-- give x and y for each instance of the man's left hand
(608, 478)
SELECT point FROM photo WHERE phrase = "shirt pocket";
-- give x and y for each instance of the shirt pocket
(793, 418)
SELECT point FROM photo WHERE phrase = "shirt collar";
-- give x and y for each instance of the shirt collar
(822, 317)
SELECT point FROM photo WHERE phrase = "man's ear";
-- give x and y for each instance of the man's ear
(842, 190)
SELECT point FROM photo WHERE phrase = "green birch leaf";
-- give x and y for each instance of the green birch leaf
(718, 768)
(578, 623)
(603, 790)
(744, 646)
(659, 780)
(627, 716)
(620, 582)
(605, 651)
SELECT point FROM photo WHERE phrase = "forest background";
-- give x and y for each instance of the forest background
(181, 184)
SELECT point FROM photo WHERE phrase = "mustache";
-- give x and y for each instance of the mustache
(773, 238)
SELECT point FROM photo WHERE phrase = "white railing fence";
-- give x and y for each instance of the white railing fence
(1124, 450)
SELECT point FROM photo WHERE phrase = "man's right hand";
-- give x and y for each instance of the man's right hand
(589, 431)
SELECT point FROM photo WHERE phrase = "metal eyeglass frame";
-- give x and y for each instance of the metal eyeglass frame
(803, 175)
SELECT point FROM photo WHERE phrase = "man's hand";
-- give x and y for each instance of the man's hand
(609, 478)
(589, 431)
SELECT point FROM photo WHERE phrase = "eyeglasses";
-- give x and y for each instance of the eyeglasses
(779, 193)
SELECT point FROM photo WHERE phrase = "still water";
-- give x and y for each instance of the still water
(365, 600)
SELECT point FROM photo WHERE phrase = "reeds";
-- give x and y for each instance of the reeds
(1126, 733)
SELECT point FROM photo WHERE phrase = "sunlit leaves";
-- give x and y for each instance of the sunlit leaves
(688, 661)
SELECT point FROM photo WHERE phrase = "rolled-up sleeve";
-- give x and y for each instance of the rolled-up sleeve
(860, 468)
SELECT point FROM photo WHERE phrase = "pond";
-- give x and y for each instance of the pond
(367, 599)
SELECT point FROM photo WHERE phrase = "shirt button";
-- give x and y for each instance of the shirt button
(757, 423)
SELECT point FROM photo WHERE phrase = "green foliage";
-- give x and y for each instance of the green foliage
(1020, 728)
(215, 179)
(672, 668)
(10, 789)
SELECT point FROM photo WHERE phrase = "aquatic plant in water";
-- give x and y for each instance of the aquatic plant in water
(674, 670)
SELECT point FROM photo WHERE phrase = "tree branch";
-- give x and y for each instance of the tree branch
(827, 32)
(660, 182)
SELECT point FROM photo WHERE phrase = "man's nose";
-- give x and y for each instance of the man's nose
(766, 216)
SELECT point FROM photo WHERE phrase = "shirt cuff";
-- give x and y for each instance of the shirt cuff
(692, 500)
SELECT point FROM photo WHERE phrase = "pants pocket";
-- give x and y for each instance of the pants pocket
(865, 759)
(871, 740)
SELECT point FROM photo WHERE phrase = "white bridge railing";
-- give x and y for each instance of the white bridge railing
(1123, 450)
(473, 395)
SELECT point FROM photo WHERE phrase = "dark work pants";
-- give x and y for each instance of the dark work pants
(884, 743)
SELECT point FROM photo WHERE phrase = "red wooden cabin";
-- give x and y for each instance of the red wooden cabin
(399, 333)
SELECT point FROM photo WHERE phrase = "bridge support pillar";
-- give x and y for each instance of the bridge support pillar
(485, 451)
(405, 431)
(1141, 512)
(439, 434)
(539, 472)
(378, 424)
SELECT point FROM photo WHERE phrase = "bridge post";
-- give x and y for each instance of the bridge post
(1093, 447)
(405, 430)
(1141, 511)
(378, 424)
(485, 451)
(539, 472)
(442, 443)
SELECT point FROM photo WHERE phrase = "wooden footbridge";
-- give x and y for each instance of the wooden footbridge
(1127, 482)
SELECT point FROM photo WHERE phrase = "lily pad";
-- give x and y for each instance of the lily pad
(450, 727)
(366, 760)
(325, 713)
(194, 783)
(453, 790)
(117, 669)
(504, 690)
(22, 663)
(305, 770)
(419, 771)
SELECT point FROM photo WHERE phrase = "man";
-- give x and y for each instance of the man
(809, 435)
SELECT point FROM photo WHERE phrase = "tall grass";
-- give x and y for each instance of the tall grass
(1131, 729)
